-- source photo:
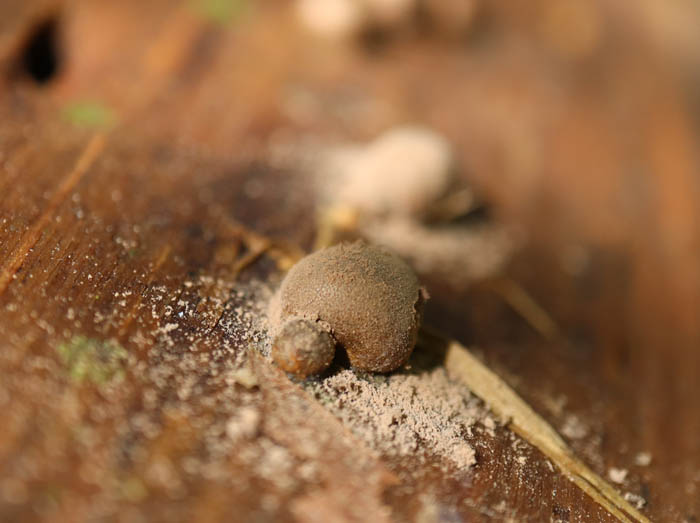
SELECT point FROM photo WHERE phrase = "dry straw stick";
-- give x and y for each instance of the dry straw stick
(519, 416)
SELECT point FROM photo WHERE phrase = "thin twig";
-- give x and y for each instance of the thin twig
(526, 306)
(522, 419)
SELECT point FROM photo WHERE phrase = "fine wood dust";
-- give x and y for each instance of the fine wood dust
(419, 415)
(460, 255)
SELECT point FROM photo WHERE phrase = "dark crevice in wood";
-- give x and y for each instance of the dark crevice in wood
(40, 57)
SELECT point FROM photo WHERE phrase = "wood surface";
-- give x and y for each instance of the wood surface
(139, 189)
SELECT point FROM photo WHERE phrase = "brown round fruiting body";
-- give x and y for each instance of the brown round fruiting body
(303, 348)
(369, 298)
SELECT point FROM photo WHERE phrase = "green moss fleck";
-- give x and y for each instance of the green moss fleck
(133, 489)
(219, 11)
(88, 113)
(95, 361)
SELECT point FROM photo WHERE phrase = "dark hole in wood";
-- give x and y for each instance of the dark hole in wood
(481, 213)
(40, 57)
(375, 39)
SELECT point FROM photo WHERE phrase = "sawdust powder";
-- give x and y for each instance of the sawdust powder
(459, 255)
(421, 415)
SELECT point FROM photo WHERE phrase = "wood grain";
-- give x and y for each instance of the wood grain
(131, 229)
